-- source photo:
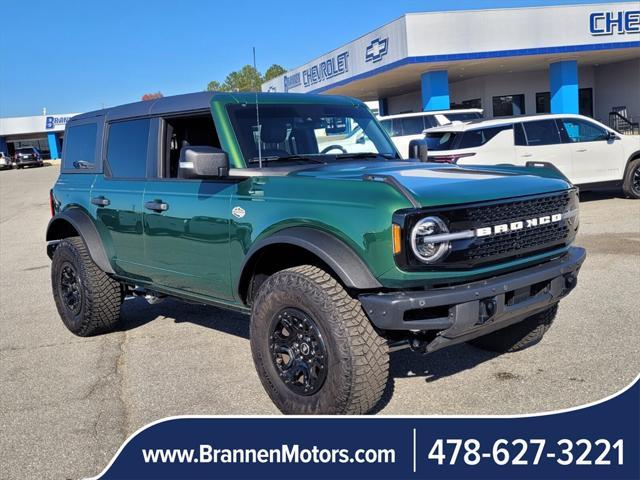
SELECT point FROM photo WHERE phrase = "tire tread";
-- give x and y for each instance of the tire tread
(102, 295)
(364, 365)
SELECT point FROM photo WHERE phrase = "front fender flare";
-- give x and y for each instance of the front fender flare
(81, 223)
(346, 264)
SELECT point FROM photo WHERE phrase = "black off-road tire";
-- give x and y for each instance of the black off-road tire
(357, 357)
(100, 297)
(519, 335)
(630, 184)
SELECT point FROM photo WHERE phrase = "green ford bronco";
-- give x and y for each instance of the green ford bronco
(298, 210)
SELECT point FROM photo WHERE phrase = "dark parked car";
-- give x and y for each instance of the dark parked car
(27, 157)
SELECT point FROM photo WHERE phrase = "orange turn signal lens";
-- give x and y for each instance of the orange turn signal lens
(397, 239)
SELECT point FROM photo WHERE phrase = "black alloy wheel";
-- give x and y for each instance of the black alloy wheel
(70, 288)
(298, 351)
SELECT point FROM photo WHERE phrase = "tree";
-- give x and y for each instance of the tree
(214, 86)
(152, 96)
(247, 79)
(273, 71)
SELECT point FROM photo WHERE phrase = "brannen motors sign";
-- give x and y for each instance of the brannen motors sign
(53, 122)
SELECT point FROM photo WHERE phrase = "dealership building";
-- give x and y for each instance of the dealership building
(561, 59)
(45, 132)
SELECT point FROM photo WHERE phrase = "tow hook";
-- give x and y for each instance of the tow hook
(570, 281)
(487, 310)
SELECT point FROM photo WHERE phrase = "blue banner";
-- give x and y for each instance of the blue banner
(600, 441)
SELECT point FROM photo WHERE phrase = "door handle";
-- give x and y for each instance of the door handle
(82, 164)
(101, 201)
(156, 206)
(581, 150)
(527, 155)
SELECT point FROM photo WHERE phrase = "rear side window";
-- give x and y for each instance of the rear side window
(393, 127)
(476, 138)
(412, 125)
(440, 140)
(518, 135)
(430, 121)
(80, 146)
(386, 124)
(542, 132)
(127, 148)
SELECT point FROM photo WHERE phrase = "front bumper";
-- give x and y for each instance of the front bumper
(467, 311)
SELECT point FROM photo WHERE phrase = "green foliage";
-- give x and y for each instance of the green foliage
(247, 79)
(273, 71)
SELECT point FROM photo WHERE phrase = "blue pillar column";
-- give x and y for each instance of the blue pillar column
(53, 145)
(3, 146)
(435, 90)
(383, 107)
(563, 80)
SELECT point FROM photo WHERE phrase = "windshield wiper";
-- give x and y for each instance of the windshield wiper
(388, 156)
(275, 158)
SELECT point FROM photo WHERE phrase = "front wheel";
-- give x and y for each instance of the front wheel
(518, 336)
(631, 182)
(314, 349)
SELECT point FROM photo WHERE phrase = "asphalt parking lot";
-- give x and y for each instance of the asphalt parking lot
(67, 403)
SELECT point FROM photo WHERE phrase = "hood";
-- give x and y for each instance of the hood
(434, 184)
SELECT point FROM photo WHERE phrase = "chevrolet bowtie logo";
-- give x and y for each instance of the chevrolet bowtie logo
(377, 49)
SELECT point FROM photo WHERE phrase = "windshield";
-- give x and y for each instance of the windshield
(308, 131)
(440, 140)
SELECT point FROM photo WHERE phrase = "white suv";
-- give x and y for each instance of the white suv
(584, 150)
(405, 127)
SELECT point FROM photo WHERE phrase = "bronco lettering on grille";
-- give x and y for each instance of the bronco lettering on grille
(514, 226)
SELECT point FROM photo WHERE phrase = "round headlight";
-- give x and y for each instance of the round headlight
(426, 251)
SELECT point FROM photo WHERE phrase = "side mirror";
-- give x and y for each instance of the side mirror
(202, 162)
(418, 150)
(611, 136)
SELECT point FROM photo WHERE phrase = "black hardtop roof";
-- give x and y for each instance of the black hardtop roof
(174, 103)
(200, 101)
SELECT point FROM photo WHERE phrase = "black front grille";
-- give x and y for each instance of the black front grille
(506, 244)
(513, 242)
(497, 247)
(517, 210)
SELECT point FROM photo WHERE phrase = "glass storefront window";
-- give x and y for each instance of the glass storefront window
(507, 105)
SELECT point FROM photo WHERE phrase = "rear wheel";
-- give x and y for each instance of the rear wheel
(88, 300)
(518, 336)
(631, 184)
(313, 347)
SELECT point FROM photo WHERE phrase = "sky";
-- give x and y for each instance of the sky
(75, 56)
